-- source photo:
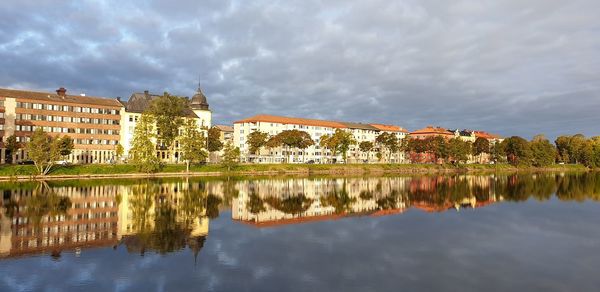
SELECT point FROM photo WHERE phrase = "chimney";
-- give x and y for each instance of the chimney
(61, 92)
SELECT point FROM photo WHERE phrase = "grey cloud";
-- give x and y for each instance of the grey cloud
(512, 67)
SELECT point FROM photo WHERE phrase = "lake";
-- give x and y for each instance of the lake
(519, 232)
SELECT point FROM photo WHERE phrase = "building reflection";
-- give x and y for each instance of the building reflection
(265, 203)
(163, 216)
(39, 218)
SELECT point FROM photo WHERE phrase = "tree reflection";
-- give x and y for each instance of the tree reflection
(290, 204)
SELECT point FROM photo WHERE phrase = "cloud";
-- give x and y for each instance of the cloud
(512, 67)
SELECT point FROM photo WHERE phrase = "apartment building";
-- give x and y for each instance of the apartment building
(133, 108)
(226, 135)
(92, 122)
(274, 125)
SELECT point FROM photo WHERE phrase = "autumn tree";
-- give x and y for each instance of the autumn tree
(344, 140)
(191, 143)
(119, 151)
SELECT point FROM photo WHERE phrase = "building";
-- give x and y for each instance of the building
(226, 135)
(92, 122)
(274, 125)
(133, 108)
(431, 131)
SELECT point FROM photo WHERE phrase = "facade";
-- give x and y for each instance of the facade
(226, 133)
(133, 108)
(274, 125)
(92, 122)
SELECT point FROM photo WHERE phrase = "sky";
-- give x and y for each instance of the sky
(510, 67)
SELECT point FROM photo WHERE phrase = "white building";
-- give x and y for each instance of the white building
(274, 125)
(138, 102)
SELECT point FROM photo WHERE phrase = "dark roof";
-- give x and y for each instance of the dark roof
(359, 126)
(139, 101)
(53, 97)
(199, 100)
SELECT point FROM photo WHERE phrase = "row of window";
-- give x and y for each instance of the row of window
(67, 108)
(33, 117)
(78, 141)
(28, 128)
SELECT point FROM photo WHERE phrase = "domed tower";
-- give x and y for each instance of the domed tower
(199, 105)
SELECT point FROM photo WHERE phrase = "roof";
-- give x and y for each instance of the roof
(360, 126)
(288, 120)
(224, 128)
(198, 101)
(389, 128)
(139, 101)
(486, 135)
(321, 123)
(53, 97)
(432, 130)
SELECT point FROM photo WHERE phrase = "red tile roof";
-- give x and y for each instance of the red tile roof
(53, 97)
(432, 130)
(389, 128)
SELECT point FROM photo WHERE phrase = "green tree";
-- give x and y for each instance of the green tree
(66, 145)
(213, 140)
(168, 112)
(481, 146)
(12, 146)
(439, 146)
(562, 146)
(327, 142)
(344, 140)
(388, 142)
(366, 147)
(119, 151)
(191, 144)
(293, 139)
(143, 151)
(231, 156)
(542, 151)
(459, 150)
(43, 150)
(257, 140)
(518, 151)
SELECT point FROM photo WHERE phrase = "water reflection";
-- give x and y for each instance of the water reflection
(163, 216)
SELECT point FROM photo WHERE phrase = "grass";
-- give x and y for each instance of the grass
(103, 169)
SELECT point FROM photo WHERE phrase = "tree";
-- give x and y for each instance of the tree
(542, 151)
(438, 146)
(293, 139)
(191, 144)
(389, 142)
(119, 151)
(257, 140)
(328, 143)
(66, 145)
(213, 140)
(305, 142)
(168, 112)
(343, 140)
(459, 150)
(518, 151)
(498, 152)
(12, 146)
(366, 146)
(43, 150)
(562, 146)
(231, 156)
(481, 146)
(143, 151)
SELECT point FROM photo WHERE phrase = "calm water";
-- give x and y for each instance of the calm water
(412, 233)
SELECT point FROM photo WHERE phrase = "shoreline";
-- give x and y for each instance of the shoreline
(251, 170)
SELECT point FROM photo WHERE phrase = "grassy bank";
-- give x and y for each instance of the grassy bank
(91, 170)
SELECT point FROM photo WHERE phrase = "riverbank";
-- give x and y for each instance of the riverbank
(27, 172)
